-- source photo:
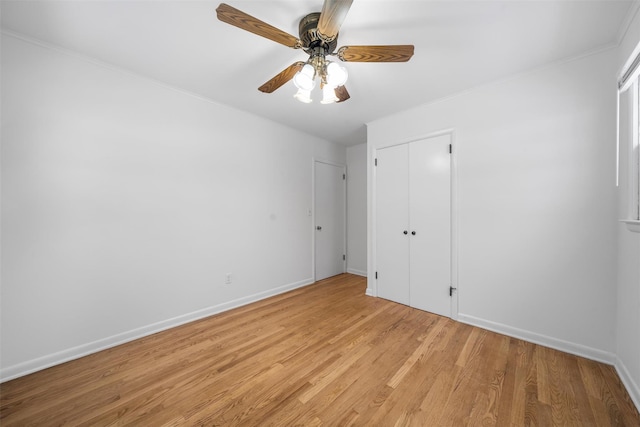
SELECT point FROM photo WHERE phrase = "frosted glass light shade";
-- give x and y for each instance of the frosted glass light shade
(328, 95)
(336, 74)
(304, 79)
(303, 96)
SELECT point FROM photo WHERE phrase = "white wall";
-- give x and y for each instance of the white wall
(357, 209)
(628, 309)
(125, 203)
(536, 201)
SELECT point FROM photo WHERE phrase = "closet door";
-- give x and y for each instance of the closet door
(392, 223)
(430, 219)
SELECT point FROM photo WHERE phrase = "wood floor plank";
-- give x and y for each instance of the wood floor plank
(325, 354)
(423, 350)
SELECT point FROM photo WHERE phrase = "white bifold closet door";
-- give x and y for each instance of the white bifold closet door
(413, 224)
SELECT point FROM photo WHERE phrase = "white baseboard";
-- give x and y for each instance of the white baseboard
(370, 292)
(63, 356)
(357, 272)
(544, 340)
(632, 387)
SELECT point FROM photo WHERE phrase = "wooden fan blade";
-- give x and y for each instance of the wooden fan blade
(391, 53)
(341, 94)
(239, 19)
(331, 18)
(281, 78)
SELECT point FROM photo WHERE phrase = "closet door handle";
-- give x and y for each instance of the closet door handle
(405, 232)
(413, 233)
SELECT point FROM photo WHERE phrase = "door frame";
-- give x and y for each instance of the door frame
(372, 289)
(342, 166)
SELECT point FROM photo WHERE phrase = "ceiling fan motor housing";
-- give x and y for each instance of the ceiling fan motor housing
(309, 36)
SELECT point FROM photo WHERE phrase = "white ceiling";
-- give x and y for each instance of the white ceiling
(458, 45)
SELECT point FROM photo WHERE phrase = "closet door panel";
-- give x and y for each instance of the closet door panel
(392, 221)
(430, 220)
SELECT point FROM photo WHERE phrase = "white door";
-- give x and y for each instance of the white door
(329, 220)
(392, 223)
(413, 224)
(430, 234)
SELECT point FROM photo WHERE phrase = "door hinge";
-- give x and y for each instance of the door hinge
(376, 274)
(344, 176)
(344, 257)
(450, 149)
(451, 289)
(375, 162)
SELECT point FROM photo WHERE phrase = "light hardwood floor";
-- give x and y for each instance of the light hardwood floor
(328, 355)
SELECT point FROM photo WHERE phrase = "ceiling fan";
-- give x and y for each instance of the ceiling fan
(319, 39)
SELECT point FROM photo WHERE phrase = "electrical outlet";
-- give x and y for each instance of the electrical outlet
(227, 279)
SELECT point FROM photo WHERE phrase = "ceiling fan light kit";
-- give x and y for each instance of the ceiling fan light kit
(303, 96)
(318, 38)
(329, 95)
(332, 75)
(336, 74)
(305, 78)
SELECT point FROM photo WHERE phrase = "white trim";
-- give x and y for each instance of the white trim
(632, 387)
(434, 134)
(329, 162)
(633, 168)
(617, 138)
(30, 366)
(454, 226)
(631, 65)
(313, 219)
(544, 340)
(632, 225)
(631, 148)
(371, 220)
(357, 272)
